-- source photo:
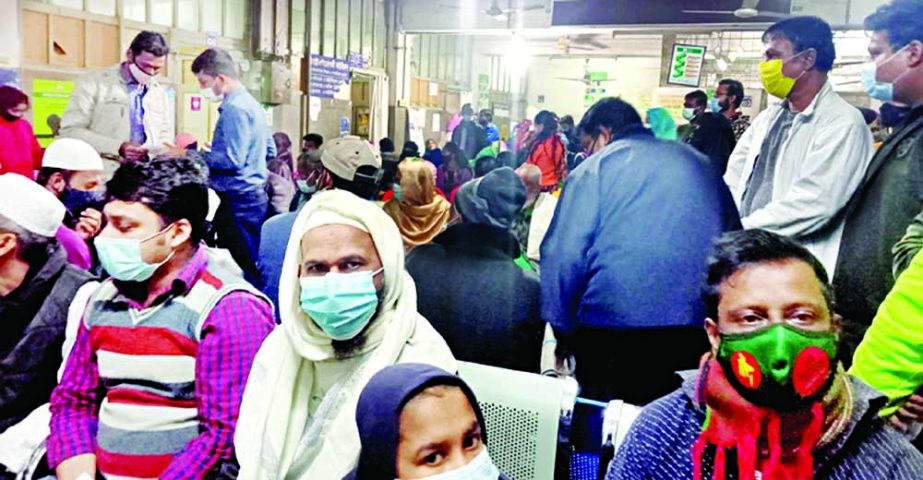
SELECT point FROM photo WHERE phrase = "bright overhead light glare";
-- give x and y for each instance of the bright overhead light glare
(722, 65)
(517, 57)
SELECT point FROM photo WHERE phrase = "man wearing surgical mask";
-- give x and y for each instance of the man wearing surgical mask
(795, 169)
(892, 189)
(237, 159)
(349, 309)
(123, 112)
(153, 386)
(770, 401)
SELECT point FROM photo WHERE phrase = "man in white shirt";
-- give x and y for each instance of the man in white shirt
(798, 165)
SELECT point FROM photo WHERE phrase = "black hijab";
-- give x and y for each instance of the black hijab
(379, 410)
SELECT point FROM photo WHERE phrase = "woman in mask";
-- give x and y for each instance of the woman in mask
(419, 422)
(348, 309)
(19, 150)
(420, 214)
(454, 171)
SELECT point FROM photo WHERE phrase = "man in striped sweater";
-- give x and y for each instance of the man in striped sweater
(153, 386)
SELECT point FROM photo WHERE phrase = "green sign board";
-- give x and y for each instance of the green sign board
(596, 88)
(483, 91)
(686, 65)
(49, 97)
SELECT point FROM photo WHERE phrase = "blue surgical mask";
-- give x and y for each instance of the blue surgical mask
(398, 192)
(875, 89)
(481, 468)
(77, 201)
(121, 258)
(304, 188)
(715, 105)
(688, 114)
(341, 304)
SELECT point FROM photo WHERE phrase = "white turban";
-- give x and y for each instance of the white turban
(274, 411)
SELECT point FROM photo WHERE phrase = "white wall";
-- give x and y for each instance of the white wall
(9, 33)
(636, 80)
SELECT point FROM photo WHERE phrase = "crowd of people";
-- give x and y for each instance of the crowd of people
(241, 309)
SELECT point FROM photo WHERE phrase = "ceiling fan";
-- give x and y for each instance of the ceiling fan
(587, 43)
(748, 9)
(587, 78)
(500, 14)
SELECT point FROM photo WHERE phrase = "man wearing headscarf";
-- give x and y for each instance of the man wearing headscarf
(420, 214)
(489, 298)
(348, 309)
(37, 285)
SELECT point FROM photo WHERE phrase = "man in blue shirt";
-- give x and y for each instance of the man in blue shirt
(625, 253)
(237, 160)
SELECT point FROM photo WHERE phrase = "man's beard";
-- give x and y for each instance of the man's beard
(343, 349)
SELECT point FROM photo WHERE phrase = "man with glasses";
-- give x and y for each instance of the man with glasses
(122, 111)
(798, 165)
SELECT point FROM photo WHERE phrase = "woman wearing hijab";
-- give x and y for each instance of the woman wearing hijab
(420, 214)
(19, 149)
(547, 151)
(394, 410)
(348, 309)
(454, 171)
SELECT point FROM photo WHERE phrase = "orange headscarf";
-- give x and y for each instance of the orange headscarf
(421, 214)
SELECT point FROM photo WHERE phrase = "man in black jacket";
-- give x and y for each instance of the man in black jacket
(485, 306)
(37, 286)
(708, 132)
(892, 189)
(471, 137)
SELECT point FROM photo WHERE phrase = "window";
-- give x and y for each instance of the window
(162, 12)
(330, 25)
(355, 26)
(187, 15)
(236, 19)
(102, 7)
(368, 17)
(212, 16)
(380, 34)
(134, 10)
(315, 26)
(342, 28)
(298, 19)
(75, 4)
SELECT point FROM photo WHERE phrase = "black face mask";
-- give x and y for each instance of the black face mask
(76, 201)
(891, 115)
(11, 118)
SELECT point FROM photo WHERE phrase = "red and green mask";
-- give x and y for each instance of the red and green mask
(779, 367)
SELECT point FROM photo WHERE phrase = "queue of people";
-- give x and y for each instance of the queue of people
(160, 322)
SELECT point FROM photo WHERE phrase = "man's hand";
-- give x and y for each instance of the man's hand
(89, 224)
(132, 153)
(75, 467)
(910, 413)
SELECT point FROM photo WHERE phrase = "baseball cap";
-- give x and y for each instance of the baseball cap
(344, 155)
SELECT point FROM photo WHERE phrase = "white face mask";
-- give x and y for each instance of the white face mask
(688, 114)
(141, 76)
(210, 95)
(481, 468)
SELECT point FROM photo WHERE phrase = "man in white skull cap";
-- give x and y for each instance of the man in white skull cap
(349, 309)
(37, 288)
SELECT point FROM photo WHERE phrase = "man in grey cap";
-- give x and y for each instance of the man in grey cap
(37, 287)
(489, 312)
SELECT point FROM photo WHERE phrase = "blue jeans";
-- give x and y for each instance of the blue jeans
(237, 225)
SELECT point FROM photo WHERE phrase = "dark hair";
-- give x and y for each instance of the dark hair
(45, 173)
(386, 145)
(735, 251)
(698, 97)
(10, 97)
(173, 187)
(485, 165)
(549, 120)
(805, 33)
(150, 42)
(314, 138)
(612, 113)
(736, 89)
(410, 150)
(452, 148)
(487, 114)
(364, 184)
(505, 159)
(568, 120)
(896, 20)
(467, 109)
(214, 62)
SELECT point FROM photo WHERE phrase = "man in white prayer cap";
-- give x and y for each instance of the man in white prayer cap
(348, 310)
(37, 287)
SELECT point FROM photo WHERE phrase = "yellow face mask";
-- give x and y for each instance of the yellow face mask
(774, 81)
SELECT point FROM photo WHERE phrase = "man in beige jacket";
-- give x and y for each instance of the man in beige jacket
(122, 111)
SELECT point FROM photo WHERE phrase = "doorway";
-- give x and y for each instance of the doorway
(369, 100)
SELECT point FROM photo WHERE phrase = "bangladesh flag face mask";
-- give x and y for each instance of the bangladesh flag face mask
(779, 367)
